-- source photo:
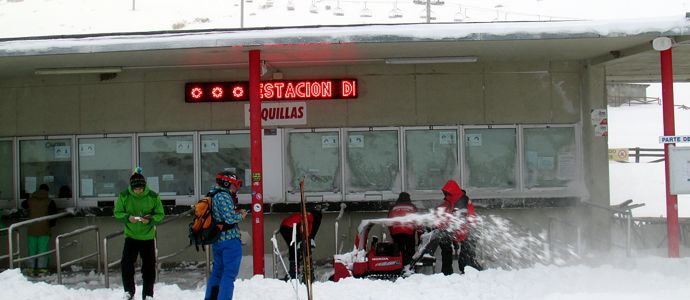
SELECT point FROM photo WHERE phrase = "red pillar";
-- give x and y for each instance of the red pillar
(669, 129)
(256, 161)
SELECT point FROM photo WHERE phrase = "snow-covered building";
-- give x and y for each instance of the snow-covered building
(511, 110)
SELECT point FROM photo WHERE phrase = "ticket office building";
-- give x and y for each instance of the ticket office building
(515, 134)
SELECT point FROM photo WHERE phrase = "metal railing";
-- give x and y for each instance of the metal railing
(624, 209)
(107, 265)
(58, 257)
(14, 226)
(16, 237)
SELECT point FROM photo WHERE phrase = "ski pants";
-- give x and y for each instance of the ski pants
(406, 244)
(227, 256)
(38, 244)
(146, 249)
(286, 233)
(466, 257)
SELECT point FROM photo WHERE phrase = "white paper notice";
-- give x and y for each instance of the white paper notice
(545, 163)
(30, 184)
(87, 149)
(48, 179)
(566, 167)
(329, 141)
(356, 141)
(183, 147)
(168, 177)
(152, 182)
(87, 187)
(474, 139)
(61, 152)
(209, 146)
(447, 137)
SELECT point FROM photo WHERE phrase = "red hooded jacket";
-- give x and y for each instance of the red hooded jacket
(296, 218)
(453, 194)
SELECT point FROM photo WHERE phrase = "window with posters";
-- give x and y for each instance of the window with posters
(491, 158)
(167, 162)
(372, 162)
(105, 164)
(220, 152)
(314, 155)
(550, 156)
(431, 158)
(46, 161)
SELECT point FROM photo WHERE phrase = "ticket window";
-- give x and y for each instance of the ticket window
(6, 169)
(221, 152)
(431, 159)
(168, 163)
(490, 156)
(49, 162)
(105, 165)
(372, 164)
(550, 157)
(316, 157)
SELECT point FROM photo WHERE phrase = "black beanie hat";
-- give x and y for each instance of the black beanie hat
(137, 180)
(404, 198)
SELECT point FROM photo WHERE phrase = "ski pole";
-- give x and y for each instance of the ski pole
(293, 243)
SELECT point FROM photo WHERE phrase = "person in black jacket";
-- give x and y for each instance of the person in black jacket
(39, 205)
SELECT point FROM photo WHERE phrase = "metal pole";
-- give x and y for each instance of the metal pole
(10, 249)
(628, 235)
(256, 161)
(98, 251)
(428, 11)
(105, 263)
(208, 260)
(57, 260)
(241, 13)
(579, 241)
(669, 129)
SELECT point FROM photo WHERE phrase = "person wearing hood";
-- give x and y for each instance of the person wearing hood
(140, 209)
(457, 203)
(403, 234)
(39, 205)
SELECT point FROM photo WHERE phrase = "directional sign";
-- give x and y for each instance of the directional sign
(670, 139)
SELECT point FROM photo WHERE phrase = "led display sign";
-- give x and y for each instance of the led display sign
(273, 90)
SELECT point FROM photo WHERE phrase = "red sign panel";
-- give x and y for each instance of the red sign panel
(273, 90)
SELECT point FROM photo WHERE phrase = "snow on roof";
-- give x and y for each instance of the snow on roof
(493, 31)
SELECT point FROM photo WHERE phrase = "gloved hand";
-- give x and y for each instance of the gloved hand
(312, 244)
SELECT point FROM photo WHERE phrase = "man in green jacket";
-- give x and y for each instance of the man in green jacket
(140, 209)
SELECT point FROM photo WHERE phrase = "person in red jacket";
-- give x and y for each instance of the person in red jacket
(403, 234)
(457, 203)
(313, 224)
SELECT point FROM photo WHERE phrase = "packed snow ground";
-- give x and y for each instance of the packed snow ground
(617, 278)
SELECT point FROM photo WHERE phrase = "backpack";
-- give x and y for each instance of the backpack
(204, 230)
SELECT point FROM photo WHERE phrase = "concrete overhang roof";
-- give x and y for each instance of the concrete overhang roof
(624, 47)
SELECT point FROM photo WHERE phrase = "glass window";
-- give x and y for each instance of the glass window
(168, 163)
(491, 158)
(316, 156)
(431, 158)
(230, 152)
(6, 192)
(46, 162)
(105, 165)
(549, 157)
(373, 161)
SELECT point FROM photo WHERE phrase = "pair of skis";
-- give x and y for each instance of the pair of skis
(306, 245)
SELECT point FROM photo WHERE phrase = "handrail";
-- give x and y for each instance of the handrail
(75, 232)
(107, 265)
(23, 223)
(16, 236)
(625, 209)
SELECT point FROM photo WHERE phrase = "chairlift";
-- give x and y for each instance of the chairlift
(267, 4)
(338, 12)
(459, 17)
(395, 13)
(248, 1)
(432, 15)
(313, 9)
(366, 12)
(432, 2)
(290, 5)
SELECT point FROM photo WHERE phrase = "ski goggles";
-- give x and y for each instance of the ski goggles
(231, 180)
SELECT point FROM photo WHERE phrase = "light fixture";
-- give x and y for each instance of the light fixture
(430, 60)
(64, 71)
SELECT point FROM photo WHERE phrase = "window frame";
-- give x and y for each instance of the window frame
(243, 198)
(373, 195)
(14, 176)
(294, 196)
(479, 191)
(179, 199)
(424, 194)
(93, 201)
(59, 202)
